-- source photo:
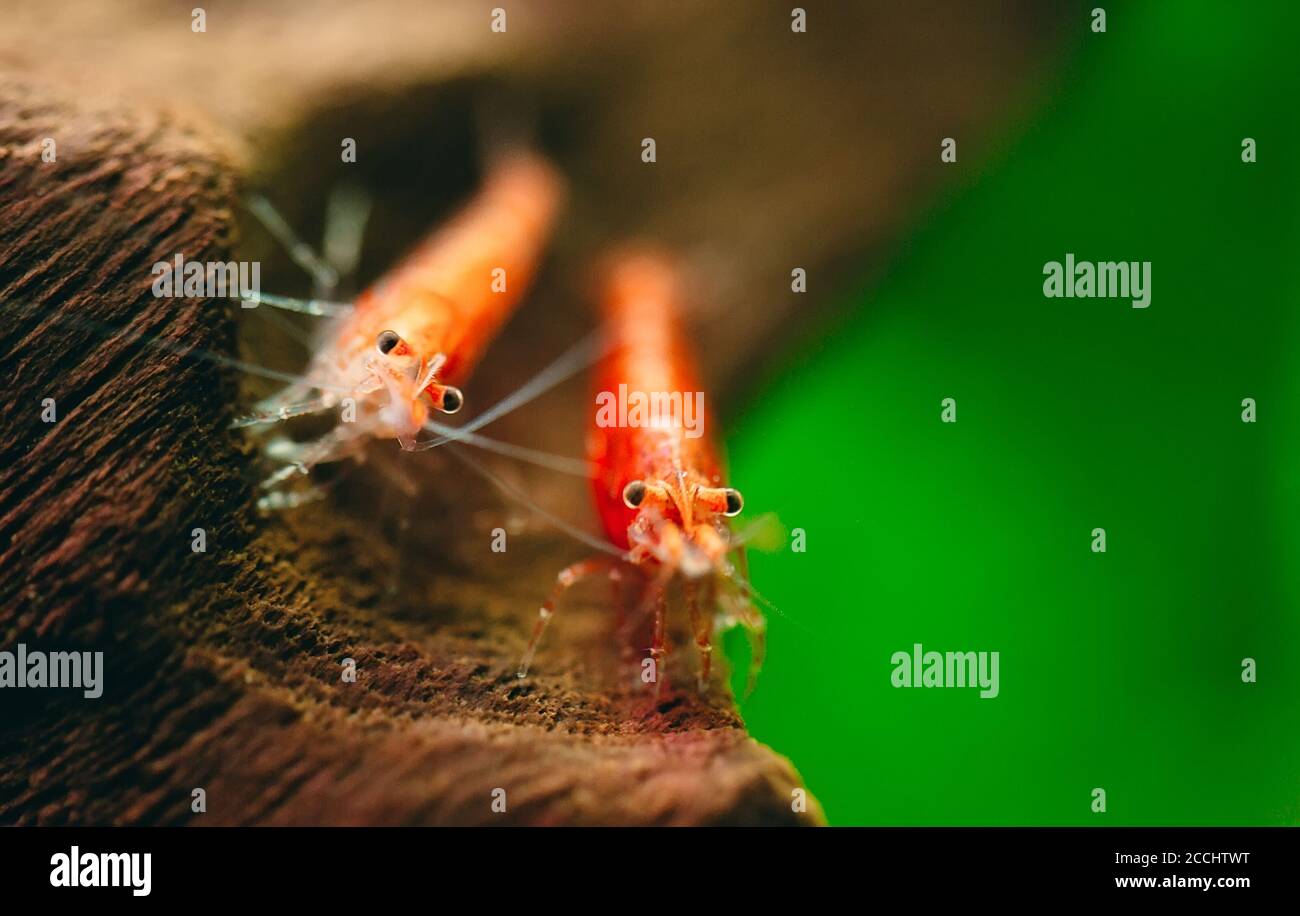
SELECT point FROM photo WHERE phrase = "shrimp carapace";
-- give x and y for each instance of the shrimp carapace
(415, 335)
(658, 481)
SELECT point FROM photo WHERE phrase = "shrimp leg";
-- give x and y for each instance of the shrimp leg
(300, 458)
(659, 643)
(563, 582)
(285, 412)
(624, 581)
(754, 622)
(702, 628)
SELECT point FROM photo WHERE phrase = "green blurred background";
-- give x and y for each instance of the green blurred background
(1119, 670)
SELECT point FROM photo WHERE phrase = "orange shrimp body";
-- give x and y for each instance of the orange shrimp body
(421, 328)
(648, 356)
(658, 482)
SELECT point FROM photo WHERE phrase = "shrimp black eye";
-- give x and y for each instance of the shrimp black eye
(735, 502)
(451, 400)
(387, 340)
(634, 494)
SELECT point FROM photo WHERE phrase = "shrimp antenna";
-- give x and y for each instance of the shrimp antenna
(346, 213)
(561, 463)
(287, 326)
(570, 363)
(324, 277)
(115, 332)
(322, 308)
(567, 527)
(750, 592)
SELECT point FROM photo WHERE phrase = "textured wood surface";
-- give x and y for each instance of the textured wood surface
(223, 669)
